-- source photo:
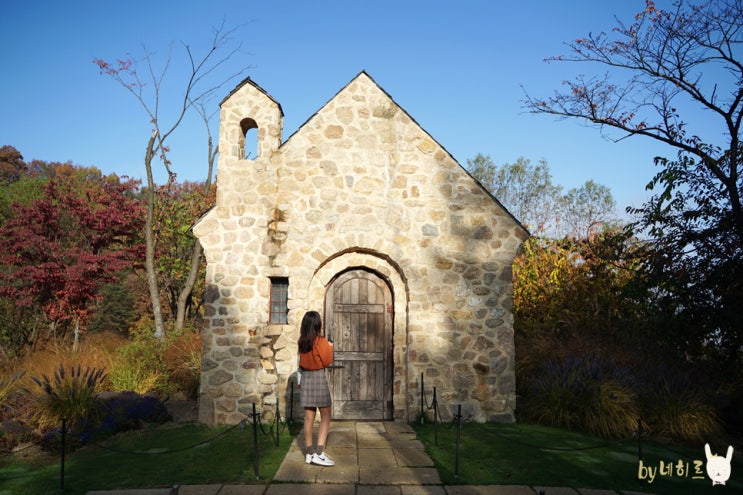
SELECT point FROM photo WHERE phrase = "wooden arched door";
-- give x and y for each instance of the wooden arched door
(358, 319)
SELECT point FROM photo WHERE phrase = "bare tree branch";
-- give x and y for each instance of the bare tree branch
(658, 66)
(195, 92)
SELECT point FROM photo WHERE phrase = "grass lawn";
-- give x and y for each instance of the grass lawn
(493, 454)
(520, 454)
(156, 457)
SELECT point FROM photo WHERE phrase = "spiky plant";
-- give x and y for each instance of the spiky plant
(678, 406)
(68, 396)
(588, 393)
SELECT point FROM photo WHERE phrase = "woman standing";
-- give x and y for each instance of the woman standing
(315, 354)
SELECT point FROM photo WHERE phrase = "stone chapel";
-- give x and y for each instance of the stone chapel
(364, 217)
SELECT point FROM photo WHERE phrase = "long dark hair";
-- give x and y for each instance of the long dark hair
(310, 329)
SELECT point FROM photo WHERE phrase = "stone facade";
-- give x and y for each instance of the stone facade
(359, 185)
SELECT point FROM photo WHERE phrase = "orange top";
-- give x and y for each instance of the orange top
(321, 355)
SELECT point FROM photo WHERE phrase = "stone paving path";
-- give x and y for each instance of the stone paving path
(372, 458)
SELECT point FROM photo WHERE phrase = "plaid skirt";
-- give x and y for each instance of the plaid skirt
(314, 390)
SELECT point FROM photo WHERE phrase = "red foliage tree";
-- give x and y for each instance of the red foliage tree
(56, 252)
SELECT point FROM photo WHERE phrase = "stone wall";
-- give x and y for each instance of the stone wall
(360, 184)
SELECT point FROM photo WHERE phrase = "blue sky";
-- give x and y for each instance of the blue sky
(458, 68)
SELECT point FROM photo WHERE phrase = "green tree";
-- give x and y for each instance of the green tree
(115, 309)
(21, 191)
(22, 182)
(585, 208)
(484, 170)
(529, 194)
(525, 189)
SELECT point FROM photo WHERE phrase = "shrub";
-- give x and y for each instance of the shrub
(114, 412)
(8, 386)
(123, 411)
(677, 407)
(182, 358)
(137, 366)
(587, 393)
(68, 395)
(24, 410)
(94, 351)
(12, 431)
(730, 404)
(161, 367)
(72, 396)
(132, 375)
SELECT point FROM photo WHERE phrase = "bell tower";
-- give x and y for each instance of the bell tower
(251, 123)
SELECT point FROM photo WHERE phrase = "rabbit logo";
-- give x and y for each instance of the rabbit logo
(718, 467)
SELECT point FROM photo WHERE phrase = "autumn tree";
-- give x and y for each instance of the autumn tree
(56, 252)
(675, 76)
(177, 206)
(580, 296)
(24, 183)
(12, 166)
(198, 87)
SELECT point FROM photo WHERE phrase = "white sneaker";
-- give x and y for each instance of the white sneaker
(322, 460)
(308, 458)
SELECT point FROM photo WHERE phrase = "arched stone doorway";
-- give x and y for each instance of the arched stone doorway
(359, 315)
(393, 276)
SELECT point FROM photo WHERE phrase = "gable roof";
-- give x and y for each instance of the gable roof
(249, 81)
(363, 73)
